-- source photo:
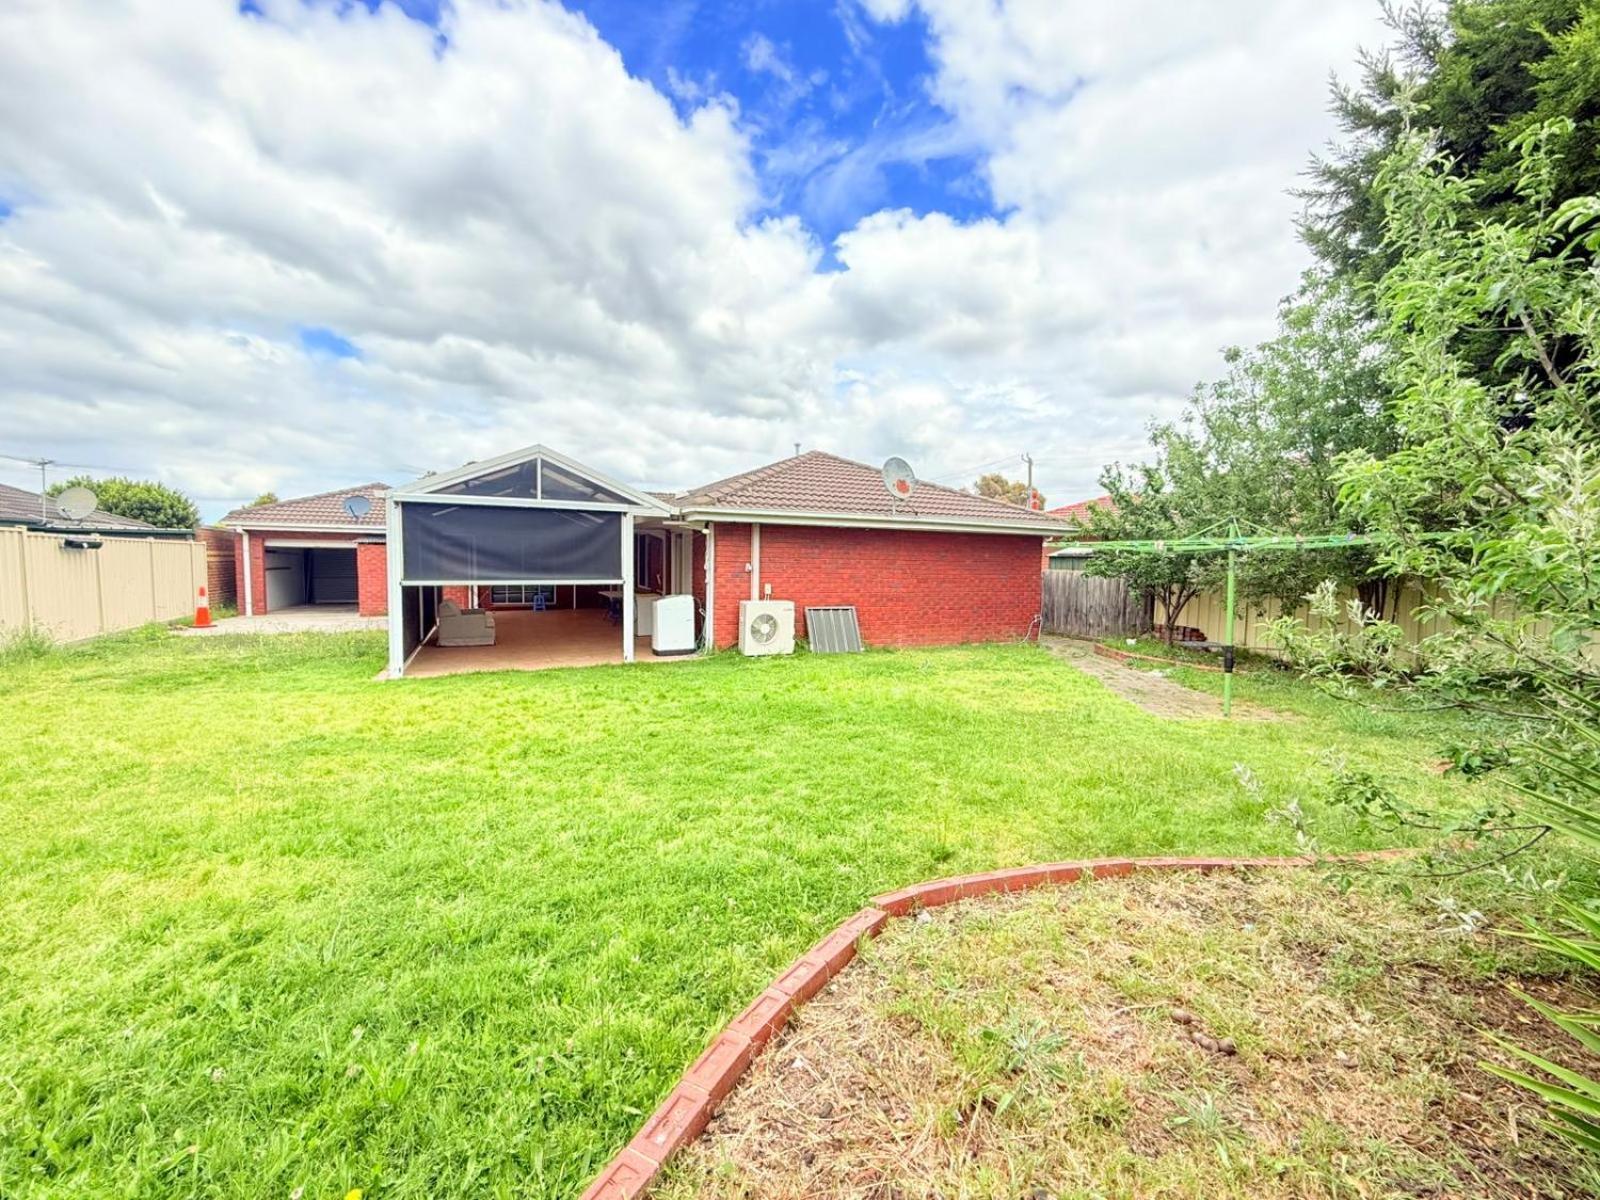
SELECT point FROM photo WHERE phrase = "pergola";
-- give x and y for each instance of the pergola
(1233, 544)
(530, 517)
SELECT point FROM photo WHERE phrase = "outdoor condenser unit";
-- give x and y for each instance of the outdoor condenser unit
(672, 625)
(766, 627)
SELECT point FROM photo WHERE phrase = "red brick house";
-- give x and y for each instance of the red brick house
(322, 549)
(552, 549)
(943, 567)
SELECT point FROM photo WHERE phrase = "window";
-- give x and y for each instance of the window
(517, 593)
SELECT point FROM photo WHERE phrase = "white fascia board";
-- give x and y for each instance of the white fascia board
(510, 582)
(451, 500)
(430, 484)
(303, 527)
(306, 543)
(747, 516)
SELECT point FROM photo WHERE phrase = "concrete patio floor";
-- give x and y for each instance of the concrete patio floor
(303, 618)
(534, 641)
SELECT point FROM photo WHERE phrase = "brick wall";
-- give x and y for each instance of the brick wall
(221, 572)
(729, 555)
(372, 584)
(909, 588)
(372, 579)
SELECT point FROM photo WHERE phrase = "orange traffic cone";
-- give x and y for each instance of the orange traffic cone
(202, 610)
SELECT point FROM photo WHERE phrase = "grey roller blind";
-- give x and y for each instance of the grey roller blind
(480, 543)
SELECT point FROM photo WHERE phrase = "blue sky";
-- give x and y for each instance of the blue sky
(837, 105)
(285, 245)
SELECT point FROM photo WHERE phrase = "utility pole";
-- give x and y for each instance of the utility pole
(1028, 458)
(44, 464)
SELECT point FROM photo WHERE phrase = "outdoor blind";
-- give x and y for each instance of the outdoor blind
(481, 543)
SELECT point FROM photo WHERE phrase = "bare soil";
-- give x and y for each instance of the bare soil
(1151, 691)
(1265, 1035)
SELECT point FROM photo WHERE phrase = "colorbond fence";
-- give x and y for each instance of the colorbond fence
(75, 594)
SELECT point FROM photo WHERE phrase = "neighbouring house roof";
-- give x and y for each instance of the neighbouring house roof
(325, 510)
(1079, 511)
(823, 485)
(20, 507)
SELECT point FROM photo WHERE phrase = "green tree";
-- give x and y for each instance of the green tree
(1147, 505)
(1482, 73)
(1009, 491)
(264, 498)
(1494, 494)
(1258, 447)
(139, 499)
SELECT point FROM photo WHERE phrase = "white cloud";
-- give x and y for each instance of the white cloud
(528, 244)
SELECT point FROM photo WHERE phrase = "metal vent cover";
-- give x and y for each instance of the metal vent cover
(834, 630)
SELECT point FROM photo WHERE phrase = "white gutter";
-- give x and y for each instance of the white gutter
(870, 521)
(301, 526)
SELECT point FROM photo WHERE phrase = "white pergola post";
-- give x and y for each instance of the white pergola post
(711, 586)
(394, 560)
(627, 587)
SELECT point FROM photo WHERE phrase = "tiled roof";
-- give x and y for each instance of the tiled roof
(817, 482)
(19, 507)
(324, 510)
(1080, 510)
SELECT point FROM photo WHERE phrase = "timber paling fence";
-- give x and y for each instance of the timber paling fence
(1080, 605)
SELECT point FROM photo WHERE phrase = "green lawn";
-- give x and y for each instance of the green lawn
(268, 924)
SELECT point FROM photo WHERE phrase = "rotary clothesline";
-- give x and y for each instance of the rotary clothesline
(1234, 544)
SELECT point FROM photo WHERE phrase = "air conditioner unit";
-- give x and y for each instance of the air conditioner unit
(766, 627)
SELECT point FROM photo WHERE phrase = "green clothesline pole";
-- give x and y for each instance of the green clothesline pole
(1232, 545)
(1227, 644)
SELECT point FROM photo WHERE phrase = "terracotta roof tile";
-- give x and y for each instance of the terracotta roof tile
(1080, 510)
(817, 482)
(323, 510)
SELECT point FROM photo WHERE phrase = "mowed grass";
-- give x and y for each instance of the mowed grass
(269, 925)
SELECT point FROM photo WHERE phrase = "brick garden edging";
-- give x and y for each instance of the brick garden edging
(684, 1114)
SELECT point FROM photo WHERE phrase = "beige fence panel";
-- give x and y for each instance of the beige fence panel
(1253, 622)
(13, 592)
(75, 594)
(1080, 605)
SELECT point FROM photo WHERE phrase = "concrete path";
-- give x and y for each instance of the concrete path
(1150, 690)
(322, 618)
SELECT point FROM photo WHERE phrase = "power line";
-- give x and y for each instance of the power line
(964, 471)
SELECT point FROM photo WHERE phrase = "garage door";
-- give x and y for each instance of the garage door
(333, 576)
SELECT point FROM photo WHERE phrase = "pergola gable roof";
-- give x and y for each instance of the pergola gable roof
(538, 456)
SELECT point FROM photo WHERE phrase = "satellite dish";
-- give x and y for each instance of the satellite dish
(357, 506)
(76, 503)
(899, 479)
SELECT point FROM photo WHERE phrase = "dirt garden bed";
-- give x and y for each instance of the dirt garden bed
(1256, 1034)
